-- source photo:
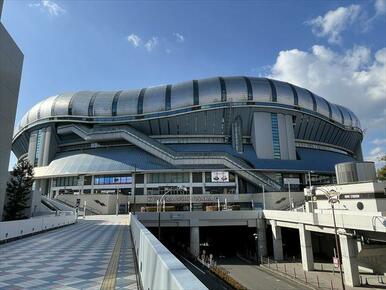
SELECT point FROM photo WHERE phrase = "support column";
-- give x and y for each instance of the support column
(261, 238)
(306, 248)
(277, 242)
(349, 252)
(195, 241)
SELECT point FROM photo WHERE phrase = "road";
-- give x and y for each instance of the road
(207, 278)
(252, 277)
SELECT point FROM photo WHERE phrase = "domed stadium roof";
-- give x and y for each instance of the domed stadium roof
(195, 93)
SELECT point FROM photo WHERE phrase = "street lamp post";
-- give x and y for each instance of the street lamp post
(333, 197)
(117, 197)
(159, 202)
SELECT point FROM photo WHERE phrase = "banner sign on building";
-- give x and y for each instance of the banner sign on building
(220, 176)
(291, 181)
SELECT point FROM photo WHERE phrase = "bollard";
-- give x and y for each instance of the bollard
(268, 262)
(332, 286)
(367, 283)
(317, 280)
(321, 266)
(294, 273)
(277, 268)
(285, 269)
(305, 276)
(360, 280)
(333, 270)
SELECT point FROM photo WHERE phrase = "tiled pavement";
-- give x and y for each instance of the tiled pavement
(73, 257)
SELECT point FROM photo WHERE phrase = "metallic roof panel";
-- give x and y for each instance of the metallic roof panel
(182, 95)
(154, 99)
(284, 93)
(103, 103)
(304, 99)
(127, 102)
(80, 103)
(209, 91)
(45, 109)
(261, 90)
(236, 88)
(322, 106)
(336, 116)
(60, 105)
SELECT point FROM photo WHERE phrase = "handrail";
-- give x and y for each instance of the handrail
(168, 154)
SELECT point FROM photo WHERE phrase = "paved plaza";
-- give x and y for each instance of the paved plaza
(79, 256)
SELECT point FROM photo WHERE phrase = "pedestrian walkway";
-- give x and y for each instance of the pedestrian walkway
(324, 276)
(73, 257)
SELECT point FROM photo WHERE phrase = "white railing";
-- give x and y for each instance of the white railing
(19, 228)
(158, 268)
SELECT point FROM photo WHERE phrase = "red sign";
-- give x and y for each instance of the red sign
(335, 260)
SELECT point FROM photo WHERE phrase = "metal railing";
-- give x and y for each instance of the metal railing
(168, 154)
(315, 280)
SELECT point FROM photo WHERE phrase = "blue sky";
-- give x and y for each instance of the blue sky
(336, 49)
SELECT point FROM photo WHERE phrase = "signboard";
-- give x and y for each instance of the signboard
(291, 181)
(335, 260)
(220, 176)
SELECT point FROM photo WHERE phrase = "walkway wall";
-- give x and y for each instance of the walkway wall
(158, 268)
(19, 228)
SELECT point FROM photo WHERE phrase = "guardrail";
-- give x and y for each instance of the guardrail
(10, 230)
(158, 268)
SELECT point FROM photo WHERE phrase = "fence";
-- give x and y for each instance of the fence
(158, 267)
(325, 276)
(15, 229)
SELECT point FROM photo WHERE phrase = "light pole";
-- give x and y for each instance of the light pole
(159, 202)
(117, 197)
(333, 197)
(134, 181)
(263, 195)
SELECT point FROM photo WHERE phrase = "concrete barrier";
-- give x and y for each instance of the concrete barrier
(158, 268)
(19, 228)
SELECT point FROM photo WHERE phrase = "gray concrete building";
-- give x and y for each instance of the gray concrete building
(11, 62)
(201, 141)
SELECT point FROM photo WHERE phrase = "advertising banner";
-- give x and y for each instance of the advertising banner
(220, 176)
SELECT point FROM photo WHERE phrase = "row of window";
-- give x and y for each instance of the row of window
(179, 177)
(102, 180)
(275, 136)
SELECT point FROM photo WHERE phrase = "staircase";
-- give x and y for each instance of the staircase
(167, 154)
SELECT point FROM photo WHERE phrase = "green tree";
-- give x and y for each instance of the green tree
(19, 189)
(381, 172)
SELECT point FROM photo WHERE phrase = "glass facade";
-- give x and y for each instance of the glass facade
(275, 136)
(38, 147)
(101, 180)
(179, 177)
(66, 181)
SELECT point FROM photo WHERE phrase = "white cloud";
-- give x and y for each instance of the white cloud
(134, 39)
(355, 78)
(151, 43)
(380, 7)
(179, 37)
(334, 22)
(379, 142)
(49, 6)
(375, 155)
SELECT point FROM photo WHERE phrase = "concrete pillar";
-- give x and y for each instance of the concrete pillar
(195, 241)
(261, 238)
(46, 147)
(349, 252)
(32, 147)
(306, 248)
(277, 242)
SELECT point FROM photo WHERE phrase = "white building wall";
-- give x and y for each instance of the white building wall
(261, 135)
